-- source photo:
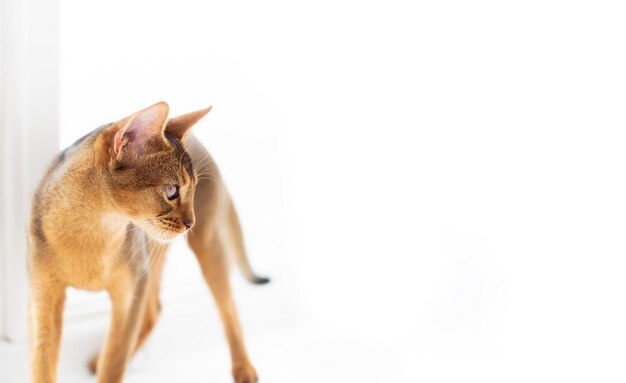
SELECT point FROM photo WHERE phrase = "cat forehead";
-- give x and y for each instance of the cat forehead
(181, 153)
(161, 168)
(171, 164)
(178, 162)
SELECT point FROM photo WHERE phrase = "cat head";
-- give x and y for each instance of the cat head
(149, 172)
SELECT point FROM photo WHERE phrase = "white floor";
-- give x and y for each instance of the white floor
(301, 352)
(285, 345)
(188, 347)
(353, 337)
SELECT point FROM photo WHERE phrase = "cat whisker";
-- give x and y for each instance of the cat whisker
(180, 160)
(204, 161)
(197, 164)
(207, 179)
(137, 222)
(135, 253)
(163, 248)
(134, 228)
(151, 258)
(200, 171)
(199, 161)
(206, 174)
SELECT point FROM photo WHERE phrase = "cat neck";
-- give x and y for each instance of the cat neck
(81, 190)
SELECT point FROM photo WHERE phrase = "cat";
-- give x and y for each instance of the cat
(101, 219)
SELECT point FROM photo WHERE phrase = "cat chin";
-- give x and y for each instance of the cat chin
(162, 237)
(165, 240)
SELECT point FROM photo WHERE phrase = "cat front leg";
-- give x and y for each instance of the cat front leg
(47, 298)
(128, 294)
(213, 262)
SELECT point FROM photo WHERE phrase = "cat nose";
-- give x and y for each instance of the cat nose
(188, 222)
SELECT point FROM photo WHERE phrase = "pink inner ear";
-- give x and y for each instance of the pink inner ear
(119, 141)
(140, 128)
(146, 124)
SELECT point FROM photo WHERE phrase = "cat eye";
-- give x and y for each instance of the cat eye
(171, 191)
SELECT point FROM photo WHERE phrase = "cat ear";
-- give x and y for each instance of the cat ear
(134, 132)
(179, 126)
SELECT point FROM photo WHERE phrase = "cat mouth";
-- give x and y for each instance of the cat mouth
(167, 235)
(163, 233)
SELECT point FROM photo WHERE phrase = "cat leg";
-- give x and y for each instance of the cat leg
(152, 304)
(47, 297)
(128, 295)
(212, 258)
(148, 322)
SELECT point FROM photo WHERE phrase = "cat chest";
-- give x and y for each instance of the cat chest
(90, 267)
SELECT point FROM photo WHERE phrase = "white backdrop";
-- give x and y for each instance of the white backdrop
(442, 178)
(111, 68)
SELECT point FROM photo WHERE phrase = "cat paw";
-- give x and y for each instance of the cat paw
(93, 364)
(244, 373)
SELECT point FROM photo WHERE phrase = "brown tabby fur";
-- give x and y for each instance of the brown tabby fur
(100, 219)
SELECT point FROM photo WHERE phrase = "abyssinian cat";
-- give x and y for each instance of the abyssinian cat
(101, 219)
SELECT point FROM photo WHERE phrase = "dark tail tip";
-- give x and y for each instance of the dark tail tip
(259, 280)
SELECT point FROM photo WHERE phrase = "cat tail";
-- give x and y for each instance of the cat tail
(238, 249)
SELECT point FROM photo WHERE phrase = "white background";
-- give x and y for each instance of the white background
(438, 187)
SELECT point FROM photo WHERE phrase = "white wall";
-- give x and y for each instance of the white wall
(29, 122)
(3, 287)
